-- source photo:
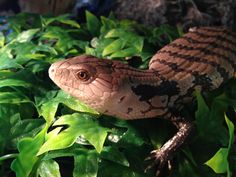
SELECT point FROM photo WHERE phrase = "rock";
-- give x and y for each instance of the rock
(188, 13)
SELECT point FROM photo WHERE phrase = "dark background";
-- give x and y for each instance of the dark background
(186, 13)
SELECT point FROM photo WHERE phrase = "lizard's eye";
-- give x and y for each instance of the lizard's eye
(83, 75)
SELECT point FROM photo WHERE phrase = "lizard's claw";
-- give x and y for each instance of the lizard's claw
(157, 160)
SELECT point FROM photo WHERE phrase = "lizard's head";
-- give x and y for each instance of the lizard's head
(109, 86)
(93, 81)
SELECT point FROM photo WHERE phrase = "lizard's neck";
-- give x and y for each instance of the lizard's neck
(143, 94)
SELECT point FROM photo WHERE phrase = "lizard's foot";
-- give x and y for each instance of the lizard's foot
(157, 160)
(160, 157)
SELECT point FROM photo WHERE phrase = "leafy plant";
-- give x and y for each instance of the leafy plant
(43, 129)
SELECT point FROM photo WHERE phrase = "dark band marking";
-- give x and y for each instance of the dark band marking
(176, 68)
(214, 45)
(146, 92)
(190, 58)
(205, 51)
(211, 43)
(173, 66)
(219, 30)
(199, 79)
(157, 74)
(217, 36)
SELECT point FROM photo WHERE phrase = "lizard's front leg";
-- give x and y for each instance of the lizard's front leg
(161, 156)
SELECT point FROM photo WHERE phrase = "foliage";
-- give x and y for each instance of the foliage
(43, 129)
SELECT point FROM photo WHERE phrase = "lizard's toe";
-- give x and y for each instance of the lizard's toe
(156, 160)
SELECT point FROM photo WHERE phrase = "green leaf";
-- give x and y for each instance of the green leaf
(219, 162)
(2, 39)
(115, 46)
(14, 126)
(24, 164)
(137, 43)
(90, 51)
(13, 98)
(47, 107)
(24, 128)
(48, 111)
(6, 59)
(125, 53)
(74, 150)
(78, 125)
(131, 137)
(98, 44)
(231, 131)
(93, 24)
(49, 104)
(49, 168)
(214, 130)
(26, 36)
(86, 164)
(19, 79)
(26, 51)
(46, 48)
(64, 41)
(6, 73)
(73, 103)
(14, 82)
(7, 112)
(130, 43)
(64, 19)
(113, 154)
(117, 32)
(107, 24)
(70, 22)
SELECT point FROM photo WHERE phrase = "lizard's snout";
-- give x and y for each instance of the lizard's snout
(51, 71)
(53, 68)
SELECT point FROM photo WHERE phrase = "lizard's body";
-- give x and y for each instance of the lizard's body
(202, 59)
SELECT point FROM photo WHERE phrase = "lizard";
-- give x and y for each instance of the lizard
(202, 59)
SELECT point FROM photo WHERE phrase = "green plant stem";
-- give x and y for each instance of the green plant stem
(8, 156)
